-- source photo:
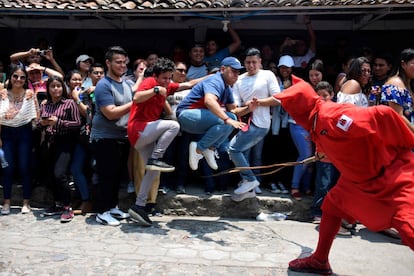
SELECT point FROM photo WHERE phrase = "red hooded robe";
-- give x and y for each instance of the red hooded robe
(372, 149)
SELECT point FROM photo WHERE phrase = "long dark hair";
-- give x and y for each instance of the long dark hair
(406, 56)
(355, 72)
(14, 69)
(49, 82)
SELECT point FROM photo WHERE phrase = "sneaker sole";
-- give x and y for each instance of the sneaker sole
(160, 169)
(312, 270)
(137, 217)
(51, 214)
(127, 216)
(240, 198)
(65, 220)
(245, 189)
(104, 222)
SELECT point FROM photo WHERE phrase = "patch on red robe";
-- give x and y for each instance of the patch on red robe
(344, 123)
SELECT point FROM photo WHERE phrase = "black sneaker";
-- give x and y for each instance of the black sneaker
(53, 211)
(158, 165)
(152, 210)
(138, 213)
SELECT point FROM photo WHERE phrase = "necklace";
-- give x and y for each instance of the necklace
(16, 102)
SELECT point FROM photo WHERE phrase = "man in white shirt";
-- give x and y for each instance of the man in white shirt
(253, 96)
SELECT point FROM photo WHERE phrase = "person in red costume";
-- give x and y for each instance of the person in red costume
(376, 184)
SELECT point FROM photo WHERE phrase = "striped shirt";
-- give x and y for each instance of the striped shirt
(16, 114)
(67, 113)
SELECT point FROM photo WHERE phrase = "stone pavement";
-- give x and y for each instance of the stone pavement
(184, 245)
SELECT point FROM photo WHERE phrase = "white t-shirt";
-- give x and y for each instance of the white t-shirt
(261, 85)
(302, 61)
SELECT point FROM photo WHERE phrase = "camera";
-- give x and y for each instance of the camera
(43, 52)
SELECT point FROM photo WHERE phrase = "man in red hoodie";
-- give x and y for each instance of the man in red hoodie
(372, 149)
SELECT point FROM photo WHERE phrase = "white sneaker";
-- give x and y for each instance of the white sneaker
(107, 219)
(210, 156)
(246, 186)
(193, 156)
(258, 190)
(131, 187)
(274, 189)
(282, 188)
(26, 209)
(241, 197)
(118, 214)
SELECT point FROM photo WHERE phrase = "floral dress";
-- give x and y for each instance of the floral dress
(400, 96)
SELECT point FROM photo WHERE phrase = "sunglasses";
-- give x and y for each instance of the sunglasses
(181, 70)
(16, 77)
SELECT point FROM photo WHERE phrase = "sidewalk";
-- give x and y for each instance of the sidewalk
(182, 245)
(197, 203)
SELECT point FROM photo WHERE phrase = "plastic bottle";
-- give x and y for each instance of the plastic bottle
(3, 159)
(271, 217)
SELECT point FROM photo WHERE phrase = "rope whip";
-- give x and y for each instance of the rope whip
(278, 166)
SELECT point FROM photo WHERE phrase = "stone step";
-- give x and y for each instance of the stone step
(197, 203)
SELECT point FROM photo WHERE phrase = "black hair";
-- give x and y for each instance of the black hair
(96, 64)
(253, 52)
(405, 56)
(355, 70)
(163, 65)
(113, 50)
(59, 79)
(69, 75)
(324, 85)
(13, 69)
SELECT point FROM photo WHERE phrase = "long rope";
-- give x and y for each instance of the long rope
(278, 166)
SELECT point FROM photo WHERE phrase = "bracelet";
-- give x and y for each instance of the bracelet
(225, 120)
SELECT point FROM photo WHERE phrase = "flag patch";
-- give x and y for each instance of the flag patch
(344, 123)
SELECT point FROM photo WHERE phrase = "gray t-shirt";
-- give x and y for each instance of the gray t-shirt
(110, 92)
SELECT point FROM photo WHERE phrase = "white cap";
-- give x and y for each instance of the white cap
(286, 61)
(84, 58)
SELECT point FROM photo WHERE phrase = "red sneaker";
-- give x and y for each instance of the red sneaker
(310, 265)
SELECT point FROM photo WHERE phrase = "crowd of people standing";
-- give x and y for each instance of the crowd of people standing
(90, 125)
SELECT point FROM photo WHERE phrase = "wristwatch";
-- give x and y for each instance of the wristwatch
(156, 90)
(78, 102)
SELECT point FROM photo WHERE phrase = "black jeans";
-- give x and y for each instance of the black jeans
(110, 157)
(56, 157)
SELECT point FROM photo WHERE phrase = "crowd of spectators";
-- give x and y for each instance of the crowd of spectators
(159, 121)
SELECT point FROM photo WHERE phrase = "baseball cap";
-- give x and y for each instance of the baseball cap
(286, 61)
(232, 62)
(84, 58)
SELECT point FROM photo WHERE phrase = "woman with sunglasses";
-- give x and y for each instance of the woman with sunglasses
(17, 110)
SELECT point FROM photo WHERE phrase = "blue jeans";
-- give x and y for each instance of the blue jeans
(203, 121)
(326, 177)
(301, 139)
(241, 143)
(17, 146)
(80, 160)
(254, 154)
